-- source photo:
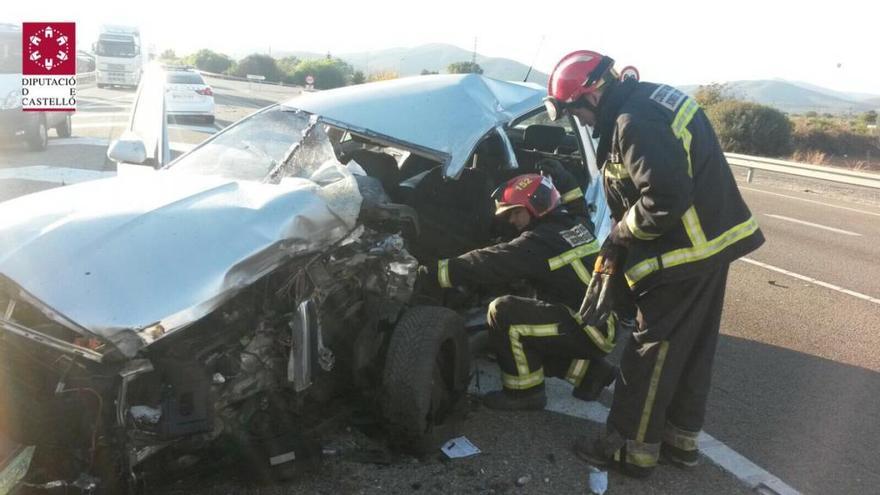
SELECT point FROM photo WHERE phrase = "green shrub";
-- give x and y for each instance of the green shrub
(750, 128)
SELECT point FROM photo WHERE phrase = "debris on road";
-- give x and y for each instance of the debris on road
(523, 481)
(598, 481)
(459, 447)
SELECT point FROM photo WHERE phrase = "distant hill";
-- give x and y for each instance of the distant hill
(796, 97)
(432, 57)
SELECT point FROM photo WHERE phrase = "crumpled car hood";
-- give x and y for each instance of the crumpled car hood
(130, 252)
(446, 114)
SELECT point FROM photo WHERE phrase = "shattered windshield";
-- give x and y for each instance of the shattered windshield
(251, 150)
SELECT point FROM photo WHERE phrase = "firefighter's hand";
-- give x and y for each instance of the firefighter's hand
(610, 254)
(551, 167)
(426, 289)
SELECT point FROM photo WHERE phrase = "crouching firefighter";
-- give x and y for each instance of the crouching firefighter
(534, 338)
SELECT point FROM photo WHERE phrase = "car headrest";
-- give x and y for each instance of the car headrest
(543, 137)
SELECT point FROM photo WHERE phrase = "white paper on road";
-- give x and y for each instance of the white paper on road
(598, 481)
(459, 447)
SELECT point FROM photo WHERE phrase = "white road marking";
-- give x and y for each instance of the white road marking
(56, 175)
(89, 115)
(810, 201)
(812, 280)
(93, 141)
(559, 400)
(811, 224)
(190, 127)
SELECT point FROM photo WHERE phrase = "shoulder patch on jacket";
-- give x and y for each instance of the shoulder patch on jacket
(577, 235)
(668, 97)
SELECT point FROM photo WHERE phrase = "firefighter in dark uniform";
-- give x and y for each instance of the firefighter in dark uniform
(680, 222)
(534, 338)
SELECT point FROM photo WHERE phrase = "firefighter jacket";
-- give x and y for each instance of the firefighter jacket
(669, 186)
(555, 254)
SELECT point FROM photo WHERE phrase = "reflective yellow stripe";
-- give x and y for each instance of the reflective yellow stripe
(682, 439)
(571, 255)
(516, 332)
(616, 171)
(604, 343)
(577, 371)
(443, 274)
(641, 459)
(679, 127)
(581, 271)
(703, 251)
(693, 228)
(572, 195)
(691, 254)
(530, 380)
(634, 227)
(652, 391)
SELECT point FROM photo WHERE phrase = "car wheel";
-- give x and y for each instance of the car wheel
(209, 119)
(38, 136)
(65, 128)
(425, 379)
(101, 86)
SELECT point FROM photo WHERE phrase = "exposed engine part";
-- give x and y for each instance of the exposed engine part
(299, 364)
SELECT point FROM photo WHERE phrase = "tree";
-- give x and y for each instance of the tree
(745, 127)
(712, 94)
(328, 73)
(426, 72)
(464, 68)
(383, 75)
(258, 65)
(811, 114)
(287, 65)
(210, 61)
(870, 117)
(168, 56)
(358, 77)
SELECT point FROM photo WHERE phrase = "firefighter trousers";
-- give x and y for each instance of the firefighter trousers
(666, 368)
(532, 338)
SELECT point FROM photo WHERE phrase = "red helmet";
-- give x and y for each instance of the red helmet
(533, 192)
(577, 74)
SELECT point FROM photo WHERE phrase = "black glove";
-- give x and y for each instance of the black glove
(426, 289)
(599, 299)
(563, 180)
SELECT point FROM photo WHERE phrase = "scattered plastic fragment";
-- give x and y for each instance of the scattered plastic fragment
(598, 481)
(459, 447)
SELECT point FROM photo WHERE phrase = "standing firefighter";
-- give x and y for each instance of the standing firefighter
(680, 222)
(536, 337)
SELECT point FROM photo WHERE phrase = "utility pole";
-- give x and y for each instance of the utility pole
(474, 55)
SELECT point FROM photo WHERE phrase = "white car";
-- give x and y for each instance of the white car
(187, 94)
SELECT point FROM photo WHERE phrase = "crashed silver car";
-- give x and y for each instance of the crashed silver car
(243, 297)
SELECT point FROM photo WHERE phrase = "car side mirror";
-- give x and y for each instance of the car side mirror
(128, 149)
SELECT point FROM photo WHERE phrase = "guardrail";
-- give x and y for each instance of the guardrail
(833, 174)
(244, 79)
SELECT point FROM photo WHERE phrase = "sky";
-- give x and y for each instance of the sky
(830, 44)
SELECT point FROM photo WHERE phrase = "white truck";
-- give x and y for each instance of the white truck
(119, 57)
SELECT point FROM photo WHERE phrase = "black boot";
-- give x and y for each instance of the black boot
(600, 375)
(604, 451)
(533, 399)
(679, 457)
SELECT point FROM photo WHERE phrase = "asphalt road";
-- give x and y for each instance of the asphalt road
(797, 375)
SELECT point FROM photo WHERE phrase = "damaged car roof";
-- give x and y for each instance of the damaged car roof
(446, 114)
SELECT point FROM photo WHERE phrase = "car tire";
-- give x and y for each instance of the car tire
(101, 86)
(65, 128)
(38, 136)
(425, 380)
(209, 119)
